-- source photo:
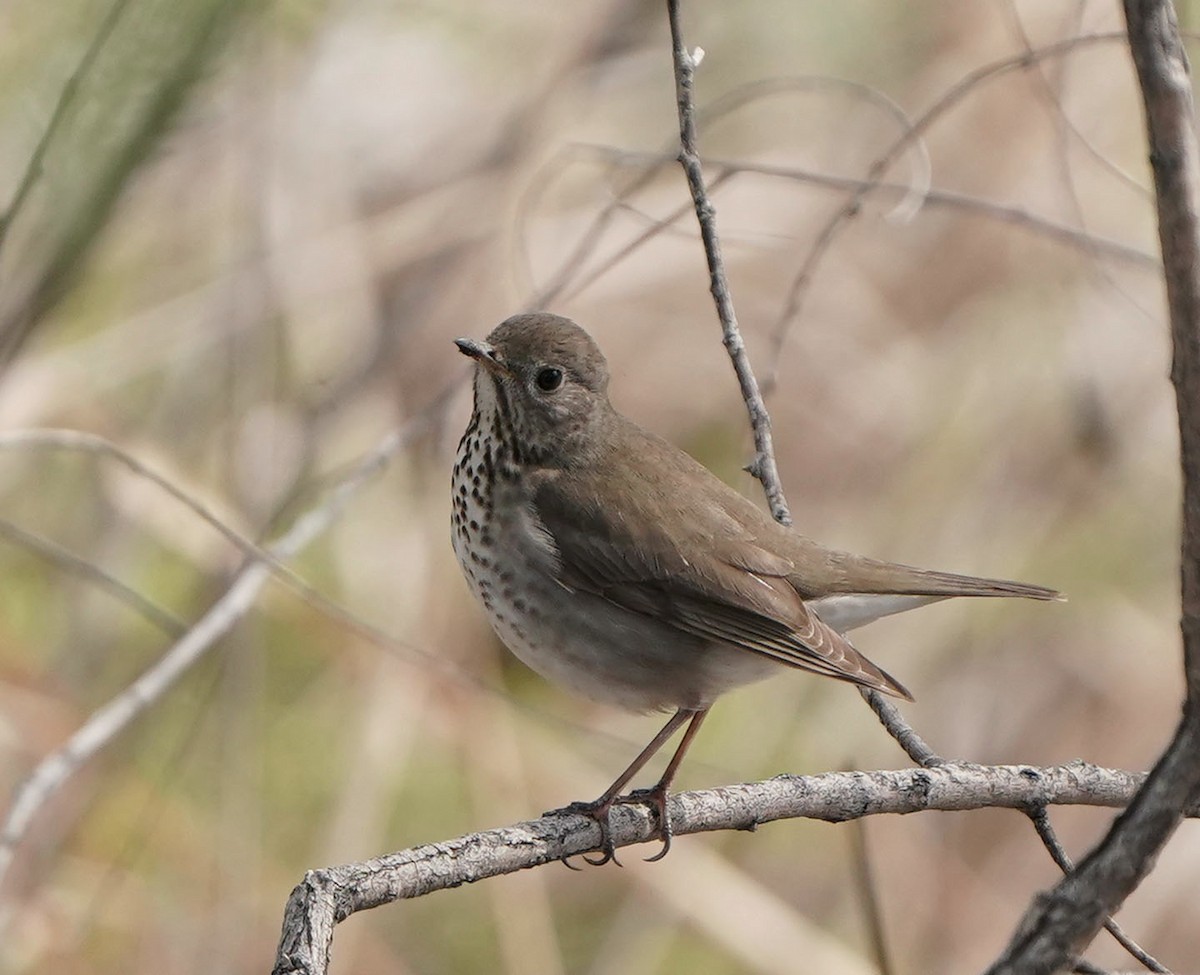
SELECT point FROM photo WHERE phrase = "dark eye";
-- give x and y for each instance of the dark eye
(548, 379)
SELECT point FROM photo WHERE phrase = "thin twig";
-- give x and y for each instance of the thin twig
(905, 735)
(1016, 216)
(68, 561)
(588, 240)
(80, 441)
(797, 290)
(1067, 133)
(932, 196)
(641, 239)
(732, 101)
(1041, 822)
(922, 168)
(763, 466)
(114, 717)
(1064, 124)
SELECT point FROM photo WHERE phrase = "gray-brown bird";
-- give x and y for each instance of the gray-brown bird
(613, 563)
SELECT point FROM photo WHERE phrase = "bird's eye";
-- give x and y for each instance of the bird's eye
(548, 379)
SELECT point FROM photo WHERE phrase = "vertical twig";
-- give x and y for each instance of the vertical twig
(1060, 923)
(763, 466)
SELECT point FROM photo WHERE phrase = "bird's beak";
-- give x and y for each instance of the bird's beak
(482, 353)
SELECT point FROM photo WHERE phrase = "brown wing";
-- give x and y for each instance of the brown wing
(703, 576)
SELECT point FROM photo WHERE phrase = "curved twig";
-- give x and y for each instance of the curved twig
(798, 288)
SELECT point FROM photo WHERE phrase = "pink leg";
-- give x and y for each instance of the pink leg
(657, 796)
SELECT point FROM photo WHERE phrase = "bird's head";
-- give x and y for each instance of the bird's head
(540, 379)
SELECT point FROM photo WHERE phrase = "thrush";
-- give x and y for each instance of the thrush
(611, 562)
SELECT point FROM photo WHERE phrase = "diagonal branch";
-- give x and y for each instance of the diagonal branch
(1060, 923)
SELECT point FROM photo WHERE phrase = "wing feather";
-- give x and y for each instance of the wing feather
(708, 580)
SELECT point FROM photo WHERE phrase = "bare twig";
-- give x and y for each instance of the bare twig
(326, 897)
(797, 291)
(588, 240)
(81, 441)
(1041, 822)
(1060, 923)
(111, 719)
(930, 196)
(68, 561)
(1068, 131)
(641, 239)
(1016, 216)
(922, 168)
(763, 466)
(905, 735)
(654, 163)
(1050, 90)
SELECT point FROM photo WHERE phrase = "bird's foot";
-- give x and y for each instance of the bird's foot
(598, 810)
(656, 798)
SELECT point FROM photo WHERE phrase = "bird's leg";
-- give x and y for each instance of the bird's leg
(599, 809)
(656, 796)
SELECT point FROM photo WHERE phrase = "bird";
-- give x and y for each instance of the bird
(613, 563)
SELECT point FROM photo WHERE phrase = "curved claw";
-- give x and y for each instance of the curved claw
(666, 848)
(598, 812)
(609, 856)
(656, 799)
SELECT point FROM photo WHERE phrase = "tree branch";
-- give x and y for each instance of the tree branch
(326, 897)
(1061, 922)
(763, 467)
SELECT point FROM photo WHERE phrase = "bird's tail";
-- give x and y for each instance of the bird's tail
(863, 575)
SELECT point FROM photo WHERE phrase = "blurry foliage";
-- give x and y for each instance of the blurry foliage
(252, 233)
(141, 60)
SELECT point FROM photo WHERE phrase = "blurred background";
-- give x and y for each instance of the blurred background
(238, 247)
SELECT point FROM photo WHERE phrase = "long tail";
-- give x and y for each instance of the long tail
(862, 575)
(926, 582)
